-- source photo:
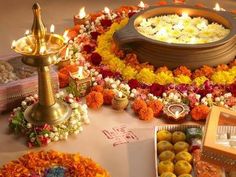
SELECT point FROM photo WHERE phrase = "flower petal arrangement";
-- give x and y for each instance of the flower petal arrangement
(150, 88)
(42, 135)
(51, 164)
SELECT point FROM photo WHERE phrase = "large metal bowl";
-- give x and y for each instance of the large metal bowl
(173, 55)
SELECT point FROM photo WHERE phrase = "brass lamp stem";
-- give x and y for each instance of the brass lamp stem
(46, 96)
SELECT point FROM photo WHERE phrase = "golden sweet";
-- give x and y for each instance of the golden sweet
(178, 136)
(164, 146)
(185, 175)
(168, 174)
(181, 146)
(164, 135)
(167, 155)
(165, 166)
(184, 155)
(182, 167)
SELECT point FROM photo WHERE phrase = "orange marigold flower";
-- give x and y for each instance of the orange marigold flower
(200, 112)
(204, 71)
(94, 100)
(97, 88)
(182, 70)
(162, 69)
(146, 113)
(108, 95)
(222, 67)
(156, 107)
(138, 104)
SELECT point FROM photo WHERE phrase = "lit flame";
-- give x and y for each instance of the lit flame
(13, 44)
(65, 36)
(52, 28)
(27, 32)
(218, 8)
(42, 50)
(106, 10)
(141, 4)
(185, 15)
(80, 72)
(177, 114)
(82, 13)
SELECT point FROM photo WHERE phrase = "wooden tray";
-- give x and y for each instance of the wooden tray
(173, 55)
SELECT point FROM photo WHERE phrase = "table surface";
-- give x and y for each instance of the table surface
(134, 159)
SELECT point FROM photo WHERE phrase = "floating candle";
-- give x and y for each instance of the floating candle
(218, 8)
(13, 44)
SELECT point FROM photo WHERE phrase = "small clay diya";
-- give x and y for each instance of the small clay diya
(120, 102)
(176, 111)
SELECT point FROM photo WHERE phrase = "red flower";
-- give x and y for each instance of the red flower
(133, 84)
(95, 35)
(96, 58)
(106, 73)
(232, 88)
(157, 89)
(88, 48)
(106, 23)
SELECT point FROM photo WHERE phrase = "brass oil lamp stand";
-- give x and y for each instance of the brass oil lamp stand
(39, 49)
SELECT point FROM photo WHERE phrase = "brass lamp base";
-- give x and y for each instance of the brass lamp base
(53, 115)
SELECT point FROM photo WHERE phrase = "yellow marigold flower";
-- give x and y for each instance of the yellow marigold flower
(164, 78)
(200, 80)
(222, 77)
(182, 79)
(129, 73)
(146, 76)
(115, 64)
(233, 71)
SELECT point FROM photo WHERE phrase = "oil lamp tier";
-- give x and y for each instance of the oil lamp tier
(39, 49)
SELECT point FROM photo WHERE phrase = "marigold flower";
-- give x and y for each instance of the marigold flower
(164, 78)
(146, 76)
(108, 95)
(97, 88)
(156, 107)
(222, 67)
(204, 71)
(222, 77)
(182, 79)
(182, 70)
(146, 114)
(138, 104)
(129, 73)
(200, 80)
(200, 112)
(94, 100)
(162, 69)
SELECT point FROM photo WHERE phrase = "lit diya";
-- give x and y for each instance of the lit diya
(80, 82)
(176, 111)
(176, 35)
(81, 17)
